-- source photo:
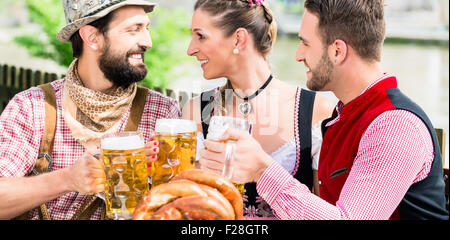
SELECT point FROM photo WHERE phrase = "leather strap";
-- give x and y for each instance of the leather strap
(88, 208)
(137, 108)
(43, 163)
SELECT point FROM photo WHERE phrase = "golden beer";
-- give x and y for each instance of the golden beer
(240, 187)
(125, 165)
(177, 148)
(217, 127)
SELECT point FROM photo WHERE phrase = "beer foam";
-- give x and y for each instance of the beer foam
(215, 133)
(122, 142)
(219, 124)
(174, 126)
(216, 128)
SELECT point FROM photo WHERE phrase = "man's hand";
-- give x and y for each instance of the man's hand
(250, 160)
(87, 175)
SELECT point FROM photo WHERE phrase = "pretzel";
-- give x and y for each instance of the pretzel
(193, 194)
(213, 193)
(193, 208)
(163, 194)
(224, 186)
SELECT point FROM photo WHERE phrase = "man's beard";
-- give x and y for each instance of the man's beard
(118, 69)
(321, 76)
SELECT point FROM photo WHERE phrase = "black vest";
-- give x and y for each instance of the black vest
(424, 199)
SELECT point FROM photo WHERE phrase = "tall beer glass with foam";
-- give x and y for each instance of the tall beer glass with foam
(123, 155)
(177, 147)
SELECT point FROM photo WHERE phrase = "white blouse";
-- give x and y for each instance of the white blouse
(286, 155)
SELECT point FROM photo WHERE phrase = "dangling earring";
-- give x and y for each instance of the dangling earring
(235, 51)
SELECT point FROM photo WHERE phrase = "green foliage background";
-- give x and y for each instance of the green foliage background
(168, 30)
(291, 6)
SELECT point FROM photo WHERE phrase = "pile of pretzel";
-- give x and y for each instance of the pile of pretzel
(192, 194)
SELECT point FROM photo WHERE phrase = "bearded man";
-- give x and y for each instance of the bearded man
(109, 39)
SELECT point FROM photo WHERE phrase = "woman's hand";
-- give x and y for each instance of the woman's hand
(151, 152)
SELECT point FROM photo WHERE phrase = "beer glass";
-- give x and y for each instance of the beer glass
(123, 155)
(217, 127)
(177, 148)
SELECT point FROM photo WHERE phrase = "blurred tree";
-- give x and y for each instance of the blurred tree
(5, 3)
(49, 14)
(291, 6)
(168, 30)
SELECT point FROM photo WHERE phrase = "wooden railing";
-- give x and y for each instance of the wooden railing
(14, 80)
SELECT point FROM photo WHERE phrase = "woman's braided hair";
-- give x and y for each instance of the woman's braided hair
(233, 14)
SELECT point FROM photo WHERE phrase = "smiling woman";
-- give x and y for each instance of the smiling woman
(232, 39)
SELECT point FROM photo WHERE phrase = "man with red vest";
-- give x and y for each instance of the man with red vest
(379, 158)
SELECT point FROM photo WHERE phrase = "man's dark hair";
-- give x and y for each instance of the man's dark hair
(101, 24)
(360, 23)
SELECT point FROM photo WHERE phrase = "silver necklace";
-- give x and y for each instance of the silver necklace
(245, 107)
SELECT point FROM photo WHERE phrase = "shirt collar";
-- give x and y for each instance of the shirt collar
(340, 105)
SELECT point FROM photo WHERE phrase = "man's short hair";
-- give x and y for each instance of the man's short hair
(360, 23)
(101, 24)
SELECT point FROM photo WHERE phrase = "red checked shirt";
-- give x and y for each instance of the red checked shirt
(377, 182)
(22, 127)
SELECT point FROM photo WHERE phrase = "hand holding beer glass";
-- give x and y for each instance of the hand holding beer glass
(177, 147)
(217, 127)
(124, 159)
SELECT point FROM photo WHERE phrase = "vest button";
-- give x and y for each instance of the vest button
(320, 182)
